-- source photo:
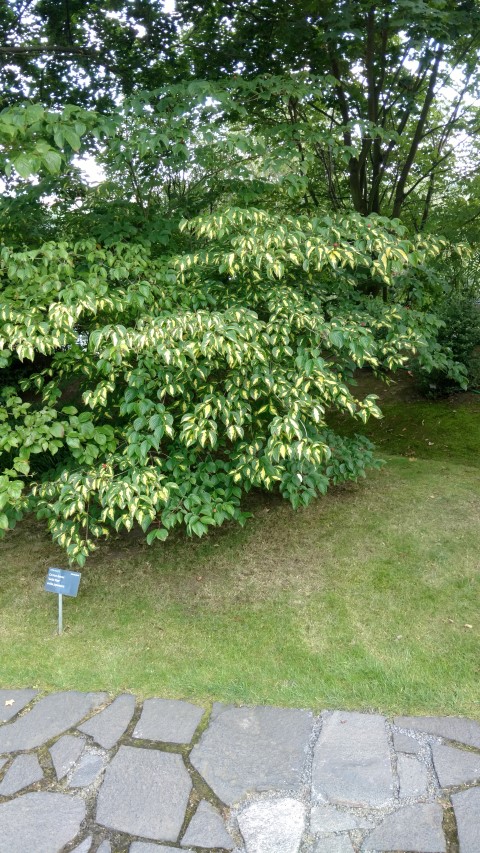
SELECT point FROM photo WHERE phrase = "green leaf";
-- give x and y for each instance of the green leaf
(158, 533)
(198, 528)
(72, 138)
(34, 113)
(336, 338)
(162, 534)
(53, 161)
(25, 165)
(58, 137)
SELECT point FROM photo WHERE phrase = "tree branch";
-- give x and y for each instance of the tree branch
(430, 94)
(61, 50)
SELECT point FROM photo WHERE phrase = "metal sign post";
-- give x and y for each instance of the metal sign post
(63, 583)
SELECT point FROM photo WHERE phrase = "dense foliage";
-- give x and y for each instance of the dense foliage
(189, 327)
(165, 387)
(460, 332)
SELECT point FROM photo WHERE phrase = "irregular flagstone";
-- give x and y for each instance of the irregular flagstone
(51, 716)
(84, 846)
(417, 829)
(273, 826)
(405, 743)
(455, 766)
(24, 771)
(87, 770)
(334, 844)
(253, 749)
(219, 708)
(351, 763)
(20, 699)
(453, 728)
(413, 776)
(145, 792)
(466, 805)
(168, 720)
(107, 727)
(207, 829)
(327, 819)
(65, 752)
(40, 822)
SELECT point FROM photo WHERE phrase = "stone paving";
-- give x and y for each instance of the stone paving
(85, 773)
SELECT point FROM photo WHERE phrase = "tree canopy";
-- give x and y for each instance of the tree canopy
(394, 79)
(84, 51)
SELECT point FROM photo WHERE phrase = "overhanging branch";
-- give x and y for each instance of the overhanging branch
(61, 50)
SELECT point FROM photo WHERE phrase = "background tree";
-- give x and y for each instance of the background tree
(391, 87)
(83, 51)
(399, 77)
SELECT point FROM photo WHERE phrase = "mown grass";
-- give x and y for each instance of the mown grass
(368, 599)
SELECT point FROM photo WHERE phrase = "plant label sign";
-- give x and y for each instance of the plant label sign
(63, 583)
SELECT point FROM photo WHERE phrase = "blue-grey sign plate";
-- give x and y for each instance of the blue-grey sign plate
(62, 582)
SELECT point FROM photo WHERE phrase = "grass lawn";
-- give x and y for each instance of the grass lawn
(368, 599)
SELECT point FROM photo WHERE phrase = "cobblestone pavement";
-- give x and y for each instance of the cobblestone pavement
(86, 773)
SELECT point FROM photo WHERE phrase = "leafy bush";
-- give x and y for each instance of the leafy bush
(460, 334)
(163, 388)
